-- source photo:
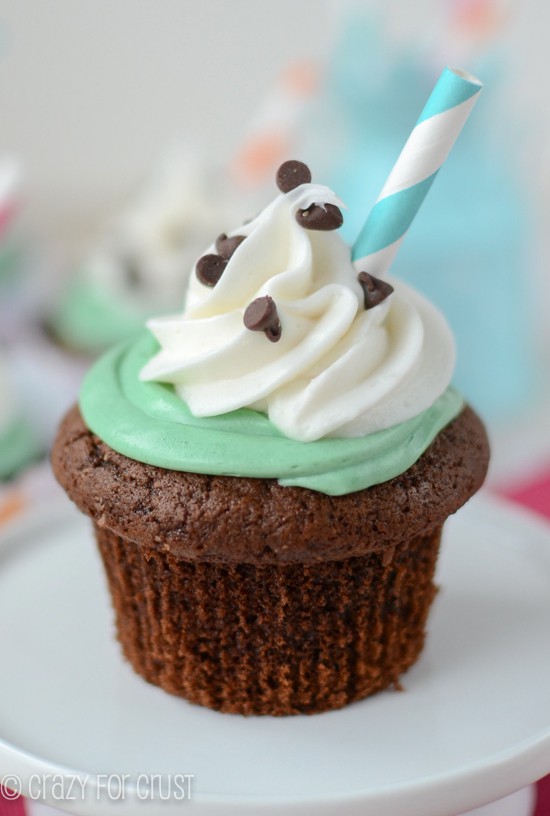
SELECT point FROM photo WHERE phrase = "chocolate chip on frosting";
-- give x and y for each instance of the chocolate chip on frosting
(226, 246)
(374, 289)
(291, 174)
(210, 268)
(320, 217)
(261, 315)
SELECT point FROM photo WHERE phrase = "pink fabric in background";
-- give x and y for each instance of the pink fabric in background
(16, 807)
(543, 797)
(11, 807)
(534, 494)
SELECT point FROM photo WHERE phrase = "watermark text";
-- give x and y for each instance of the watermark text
(99, 787)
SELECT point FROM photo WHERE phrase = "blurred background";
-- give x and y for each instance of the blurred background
(133, 133)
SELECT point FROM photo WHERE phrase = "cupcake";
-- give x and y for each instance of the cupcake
(269, 472)
(139, 267)
(12, 243)
(18, 444)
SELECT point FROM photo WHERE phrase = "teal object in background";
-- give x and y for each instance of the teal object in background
(470, 248)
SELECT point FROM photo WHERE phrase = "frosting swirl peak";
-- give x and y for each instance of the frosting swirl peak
(337, 368)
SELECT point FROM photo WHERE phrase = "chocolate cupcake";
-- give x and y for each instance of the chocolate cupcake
(268, 474)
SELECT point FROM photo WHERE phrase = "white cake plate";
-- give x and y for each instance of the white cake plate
(472, 726)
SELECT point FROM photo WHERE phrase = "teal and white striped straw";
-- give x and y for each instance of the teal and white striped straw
(442, 119)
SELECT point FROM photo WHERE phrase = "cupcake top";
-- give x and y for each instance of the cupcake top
(287, 361)
(278, 319)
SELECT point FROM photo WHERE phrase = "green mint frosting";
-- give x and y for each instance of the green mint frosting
(89, 318)
(148, 422)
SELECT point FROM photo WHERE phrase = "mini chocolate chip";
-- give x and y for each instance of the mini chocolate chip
(374, 289)
(261, 315)
(316, 217)
(291, 174)
(227, 246)
(209, 269)
(273, 333)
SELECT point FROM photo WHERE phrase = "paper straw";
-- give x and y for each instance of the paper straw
(442, 119)
(270, 135)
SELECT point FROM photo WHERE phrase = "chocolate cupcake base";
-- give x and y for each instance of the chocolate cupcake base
(277, 640)
(245, 596)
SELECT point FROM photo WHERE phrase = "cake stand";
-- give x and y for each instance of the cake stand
(471, 726)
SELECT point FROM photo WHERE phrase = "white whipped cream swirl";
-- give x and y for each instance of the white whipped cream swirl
(337, 370)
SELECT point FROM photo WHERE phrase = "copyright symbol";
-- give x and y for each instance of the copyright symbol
(11, 786)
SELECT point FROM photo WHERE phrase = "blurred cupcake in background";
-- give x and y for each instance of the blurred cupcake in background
(30, 365)
(140, 265)
(11, 232)
(18, 444)
(26, 270)
(273, 130)
(139, 269)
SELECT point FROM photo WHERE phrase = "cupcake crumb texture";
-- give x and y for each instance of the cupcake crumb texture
(247, 520)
